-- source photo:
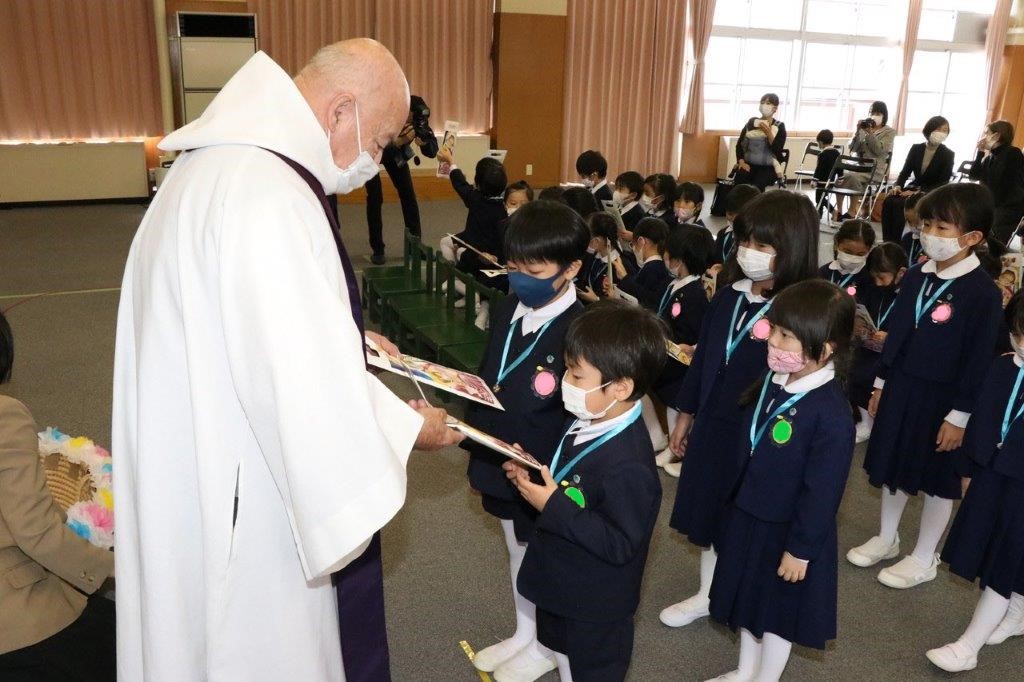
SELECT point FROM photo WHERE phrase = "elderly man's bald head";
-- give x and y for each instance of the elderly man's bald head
(356, 76)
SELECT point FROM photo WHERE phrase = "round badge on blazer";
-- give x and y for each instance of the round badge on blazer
(677, 308)
(761, 330)
(942, 313)
(575, 479)
(576, 495)
(782, 432)
(551, 358)
(544, 382)
(851, 290)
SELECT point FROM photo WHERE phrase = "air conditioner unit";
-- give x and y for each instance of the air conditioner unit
(970, 28)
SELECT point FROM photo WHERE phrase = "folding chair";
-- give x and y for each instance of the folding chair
(877, 189)
(963, 173)
(846, 164)
(812, 149)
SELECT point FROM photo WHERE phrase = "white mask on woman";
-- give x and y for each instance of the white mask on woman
(766, 110)
(877, 118)
(937, 138)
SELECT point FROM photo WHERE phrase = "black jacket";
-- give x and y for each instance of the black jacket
(1003, 173)
(938, 172)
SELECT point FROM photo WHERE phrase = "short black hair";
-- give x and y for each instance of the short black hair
(591, 161)
(692, 246)
(664, 186)
(632, 181)
(603, 225)
(652, 229)
(818, 312)
(1014, 313)
(770, 98)
(581, 200)
(490, 177)
(621, 340)
(787, 222)
(886, 258)
(855, 230)
(825, 136)
(553, 193)
(690, 191)
(879, 107)
(6, 350)
(520, 186)
(546, 231)
(933, 124)
(739, 197)
(967, 205)
(913, 200)
(1003, 130)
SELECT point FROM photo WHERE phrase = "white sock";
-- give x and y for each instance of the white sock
(447, 247)
(774, 657)
(893, 504)
(750, 655)
(708, 559)
(671, 416)
(988, 614)
(564, 671)
(866, 420)
(526, 611)
(934, 516)
(650, 416)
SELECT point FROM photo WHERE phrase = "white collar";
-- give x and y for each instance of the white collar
(678, 284)
(651, 259)
(628, 207)
(658, 214)
(810, 382)
(588, 431)
(593, 190)
(1017, 361)
(745, 286)
(535, 318)
(834, 265)
(728, 228)
(956, 270)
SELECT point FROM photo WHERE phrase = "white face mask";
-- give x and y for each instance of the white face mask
(358, 173)
(849, 262)
(668, 266)
(511, 209)
(587, 182)
(940, 248)
(937, 138)
(877, 118)
(638, 251)
(756, 265)
(767, 109)
(1017, 348)
(575, 400)
(647, 203)
(619, 198)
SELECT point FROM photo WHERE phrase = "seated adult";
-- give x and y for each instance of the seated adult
(759, 149)
(873, 140)
(50, 628)
(931, 165)
(1000, 167)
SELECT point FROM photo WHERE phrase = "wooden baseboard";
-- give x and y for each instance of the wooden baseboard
(428, 187)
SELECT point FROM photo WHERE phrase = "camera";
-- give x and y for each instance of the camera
(866, 123)
(419, 114)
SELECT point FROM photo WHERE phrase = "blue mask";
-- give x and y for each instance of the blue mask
(532, 291)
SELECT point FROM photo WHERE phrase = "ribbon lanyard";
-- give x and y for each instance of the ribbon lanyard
(505, 371)
(1007, 420)
(843, 280)
(915, 245)
(665, 298)
(923, 305)
(756, 434)
(882, 317)
(734, 341)
(559, 474)
(727, 245)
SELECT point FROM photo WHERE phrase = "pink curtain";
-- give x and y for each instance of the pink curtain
(444, 47)
(78, 69)
(909, 48)
(702, 15)
(291, 31)
(994, 43)
(623, 70)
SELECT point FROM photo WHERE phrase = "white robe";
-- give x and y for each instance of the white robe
(238, 364)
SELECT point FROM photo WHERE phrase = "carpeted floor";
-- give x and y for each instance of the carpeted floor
(445, 563)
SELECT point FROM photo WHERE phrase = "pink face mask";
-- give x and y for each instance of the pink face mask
(785, 361)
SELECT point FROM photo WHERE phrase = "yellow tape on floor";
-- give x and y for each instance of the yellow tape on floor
(470, 654)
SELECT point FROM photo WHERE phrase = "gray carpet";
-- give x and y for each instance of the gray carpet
(447, 577)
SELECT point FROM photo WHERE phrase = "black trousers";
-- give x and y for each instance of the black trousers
(81, 652)
(758, 176)
(893, 220)
(401, 178)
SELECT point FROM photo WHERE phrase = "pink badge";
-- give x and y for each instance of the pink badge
(544, 383)
(761, 329)
(852, 291)
(677, 308)
(942, 313)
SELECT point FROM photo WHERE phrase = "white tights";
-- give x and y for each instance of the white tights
(988, 614)
(764, 660)
(935, 515)
(526, 611)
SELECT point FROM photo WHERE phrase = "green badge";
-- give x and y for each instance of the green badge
(782, 431)
(576, 495)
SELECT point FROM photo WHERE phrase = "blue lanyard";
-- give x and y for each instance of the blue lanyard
(732, 343)
(843, 280)
(665, 298)
(502, 370)
(915, 251)
(922, 305)
(756, 434)
(559, 474)
(1007, 420)
(882, 317)
(727, 240)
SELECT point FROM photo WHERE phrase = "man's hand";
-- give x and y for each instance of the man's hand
(384, 343)
(791, 569)
(536, 496)
(950, 437)
(405, 137)
(743, 165)
(444, 156)
(435, 433)
(677, 441)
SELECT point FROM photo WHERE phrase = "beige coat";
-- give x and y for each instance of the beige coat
(46, 570)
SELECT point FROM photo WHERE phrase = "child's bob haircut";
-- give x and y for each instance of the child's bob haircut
(966, 205)
(591, 161)
(632, 181)
(490, 177)
(817, 312)
(690, 191)
(621, 340)
(887, 258)
(546, 231)
(603, 225)
(692, 246)
(654, 230)
(787, 222)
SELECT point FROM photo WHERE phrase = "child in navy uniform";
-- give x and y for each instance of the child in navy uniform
(629, 187)
(852, 243)
(911, 239)
(648, 283)
(524, 362)
(776, 578)
(486, 214)
(599, 502)
(825, 163)
(688, 204)
(778, 246)
(592, 168)
(658, 197)
(986, 541)
(603, 246)
(725, 240)
(941, 340)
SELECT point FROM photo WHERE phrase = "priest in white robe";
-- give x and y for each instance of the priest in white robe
(239, 372)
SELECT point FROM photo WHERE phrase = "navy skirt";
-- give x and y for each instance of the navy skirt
(901, 453)
(670, 382)
(986, 541)
(862, 375)
(748, 593)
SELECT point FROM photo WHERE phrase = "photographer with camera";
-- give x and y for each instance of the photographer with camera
(395, 160)
(873, 140)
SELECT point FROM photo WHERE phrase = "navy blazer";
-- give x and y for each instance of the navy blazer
(981, 443)
(631, 217)
(860, 281)
(912, 247)
(603, 194)
(684, 311)
(725, 245)
(648, 284)
(486, 219)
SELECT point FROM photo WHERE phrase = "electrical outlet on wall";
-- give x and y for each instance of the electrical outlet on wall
(529, 169)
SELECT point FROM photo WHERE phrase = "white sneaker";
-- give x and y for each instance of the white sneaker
(686, 611)
(908, 572)
(953, 658)
(1012, 624)
(490, 658)
(863, 432)
(674, 469)
(873, 551)
(525, 666)
(664, 457)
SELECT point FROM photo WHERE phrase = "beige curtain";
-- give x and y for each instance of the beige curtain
(702, 15)
(909, 48)
(623, 69)
(78, 69)
(444, 47)
(291, 31)
(994, 43)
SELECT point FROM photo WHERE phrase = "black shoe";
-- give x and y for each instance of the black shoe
(378, 258)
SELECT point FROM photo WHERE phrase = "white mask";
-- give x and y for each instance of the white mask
(619, 198)
(940, 248)
(575, 400)
(511, 209)
(849, 262)
(756, 265)
(877, 118)
(767, 109)
(668, 266)
(358, 173)
(646, 203)
(638, 252)
(1017, 348)
(588, 183)
(937, 137)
